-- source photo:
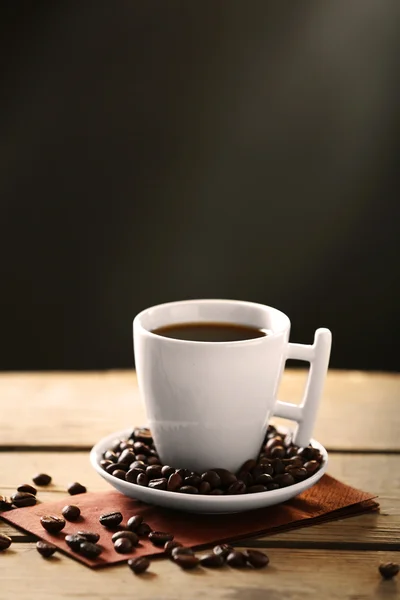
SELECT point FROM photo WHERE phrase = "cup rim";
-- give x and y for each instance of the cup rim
(140, 328)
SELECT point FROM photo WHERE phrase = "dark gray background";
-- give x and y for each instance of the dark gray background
(155, 151)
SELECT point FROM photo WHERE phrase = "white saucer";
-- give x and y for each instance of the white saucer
(201, 503)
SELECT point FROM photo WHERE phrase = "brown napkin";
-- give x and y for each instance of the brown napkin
(329, 499)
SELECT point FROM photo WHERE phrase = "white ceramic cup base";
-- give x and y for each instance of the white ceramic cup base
(199, 503)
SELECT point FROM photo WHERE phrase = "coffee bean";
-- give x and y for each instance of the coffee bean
(5, 504)
(174, 482)
(125, 445)
(134, 522)
(186, 561)
(169, 546)
(133, 474)
(299, 473)
(256, 559)
(307, 453)
(249, 465)
(204, 487)
(184, 473)
(167, 471)
(278, 452)
(5, 542)
(89, 536)
(76, 488)
(236, 559)
(52, 523)
(154, 460)
(263, 479)
(142, 479)
(236, 488)
(311, 467)
(143, 434)
(256, 489)
(126, 457)
(130, 535)
(142, 458)
(123, 545)
(105, 463)
(111, 455)
(21, 499)
(154, 472)
(160, 538)
(284, 480)
(188, 489)
(158, 484)
(141, 448)
(292, 451)
(112, 467)
(138, 565)
(295, 461)
(262, 469)
(138, 464)
(272, 486)
(90, 550)
(388, 570)
(71, 512)
(74, 541)
(181, 550)
(216, 492)
(278, 466)
(41, 479)
(25, 487)
(272, 442)
(143, 530)
(212, 560)
(246, 477)
(223, 550)
(119, 474)
(111, 520)
(227, 478)
(212, 478)
(192, 480)
(45, 548)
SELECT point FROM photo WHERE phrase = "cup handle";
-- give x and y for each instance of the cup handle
(305, 414)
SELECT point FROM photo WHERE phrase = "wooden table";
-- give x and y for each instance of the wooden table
(50, 420)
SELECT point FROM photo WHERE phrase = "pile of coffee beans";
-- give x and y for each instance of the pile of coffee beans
(280, 463)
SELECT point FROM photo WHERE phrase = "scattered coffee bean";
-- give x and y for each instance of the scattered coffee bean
(123, 545)
(256, 559)
(25, 487)
(169, 546)
(45, 548)
(188, 489)
(134, 522)
(5, 504)
(138, 565)
(130, 535)
(389, 570)
(52, 523)
(5, 542)
(212, 560)
(21, 499)
(158, 484)
(89, 536)
(41, 479)
(74, 541)
(160, 538)
(186, 561)
(71, 512)
(111, 520)
(76, 488)
(236, 559)
(90, 550)
(167, 471)
(174, 482)
(223, 550)
(143, 530)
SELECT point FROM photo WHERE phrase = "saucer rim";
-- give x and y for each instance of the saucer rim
(154, 496)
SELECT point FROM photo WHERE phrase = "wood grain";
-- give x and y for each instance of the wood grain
(376, 473)
(359, 411)
(292, 574)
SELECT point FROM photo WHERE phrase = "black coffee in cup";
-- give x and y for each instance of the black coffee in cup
(210, 332)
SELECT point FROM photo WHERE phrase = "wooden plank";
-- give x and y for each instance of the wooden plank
(359, 411)
(376, 473)
(293, 575)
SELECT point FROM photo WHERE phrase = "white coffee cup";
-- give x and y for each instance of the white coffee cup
(209, 403)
